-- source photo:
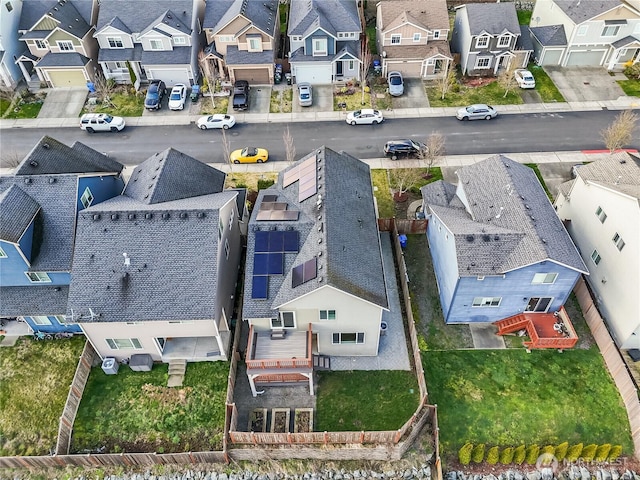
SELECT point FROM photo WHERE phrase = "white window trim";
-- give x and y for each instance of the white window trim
(482, 37)
(61, 319)
(479, 67)
(320, 52)
(231, 218)
(40, 320)
(543, 278)
(618, 241)
(154, 41)
(582, 30)
(480, 302)
(225, 38)
(60, 43)
(115, 40)
(220, 228)
(417, 37)
(327, 313)
(40, 44)
(436, 34)
(358, 341)
(3, 253)
(600, 213)
(616, 30)
(41, 277)
(87, 198)
(179, 40)
(394, 37)
(226, 248)
(502, 38)
(253, 47)
(595, 257)
(134, 343)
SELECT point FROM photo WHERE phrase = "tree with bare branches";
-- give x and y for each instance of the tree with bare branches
(433, 151)
(105, 88)
(9, 159)
(446, 81)
(209, 75)
(620, 132)
(364, 68)
(289, 146)
(507, 77)
(225, 143)
(402, 179)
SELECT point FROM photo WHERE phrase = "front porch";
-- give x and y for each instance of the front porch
(195, 349)
(279, 359)
(545, 330)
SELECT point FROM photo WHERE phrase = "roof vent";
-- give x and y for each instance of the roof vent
(320, 253)
(319, 240)
(132, 216)
(165, 216)
(27, 180)
(96, 217)
(200, 214)
(52, 180)
(469, 238)
(320, 227)
(114, 216)
(148, 216)
(183, 215)
(486, 238)
(496, 238)
(33, 163)
(320, 279)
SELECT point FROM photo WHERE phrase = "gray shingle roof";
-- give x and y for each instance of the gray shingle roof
(172, 175)
(33, 300)
(524, 40)
(17, 210)
(261, 13)
(333, 15)
(177, 56)
(351, 47)
(619, 172)
(74, 17)
(347, 245)
(121, 54)
(629, 39)
(550, 36)
(51, 157)
(508, 222)
(70, 59)
(494, 18)
(429, 14)
(141, 14)
(581, 11)
(243, 57)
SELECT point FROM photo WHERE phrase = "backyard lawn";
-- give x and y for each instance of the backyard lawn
(509, 397)
(365, 400)
(382, 193)
(34, 382)
(137, 412)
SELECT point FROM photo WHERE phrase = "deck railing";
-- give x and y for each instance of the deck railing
(278, 363)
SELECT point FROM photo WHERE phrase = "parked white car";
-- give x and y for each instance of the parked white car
(218, 120)
(178, 96)
(479, 111)
(101, 122)
(366, 116)
(524, 78)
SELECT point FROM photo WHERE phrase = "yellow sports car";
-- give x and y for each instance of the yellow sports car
(249, 155)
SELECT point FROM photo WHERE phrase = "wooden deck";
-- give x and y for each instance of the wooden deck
(545, 330)
(293, 352)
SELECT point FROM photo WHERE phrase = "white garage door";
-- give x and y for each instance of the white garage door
(67, 78)
(313, 74)
(551, 57)
(170, 76)
(585, 58)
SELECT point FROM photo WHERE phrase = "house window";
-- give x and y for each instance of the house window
(350, 64)
(231, 218)
(544, 278)
(296, 38)
(436, 34)
(123, 343)
(225, 38)
(254, 44)
(8, 6)
(38, 277)
(610, 30)
(504, 41)
(617, 239)
(120, 65)
(340, 35)
(284, 320)
(226, 248)
(87, 198)
(595, 256)
(155, 44)
(61, 319)
(353, 34)
(41, 45)
(319, 47)
(416, 37)
(41, 320)
(115, 42)
(65, 46)
(601, 215)
(483, 63)
(487, 301)
(179, 41)
(582, 30)
(338, 338)
(220, 229)
(327, 314)
(395, 39)
(482, 42)
(2, 254)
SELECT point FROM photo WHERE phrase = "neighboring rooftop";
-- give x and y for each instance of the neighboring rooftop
(305, 16)
(73, 17)
(580, 10)
(138, 16)
(427, 14)
(262, 14)
(619, 172)
(494, 18)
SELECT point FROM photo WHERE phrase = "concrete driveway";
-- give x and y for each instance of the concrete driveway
(63, 102)
(583, 84)
(414, 95)
(322, 100)
(259, 100)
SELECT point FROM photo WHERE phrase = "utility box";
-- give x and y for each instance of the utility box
(141, 362)
(110, 366)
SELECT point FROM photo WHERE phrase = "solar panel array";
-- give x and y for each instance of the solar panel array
(268, 259)
(305, 272)
(273, 210)
(305, 172)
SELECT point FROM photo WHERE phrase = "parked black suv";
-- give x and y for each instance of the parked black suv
(241, 95)
(403, 148)
(155, 92)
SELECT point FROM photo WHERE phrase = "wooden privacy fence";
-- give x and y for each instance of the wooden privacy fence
(402, 225)
(74, 396)
(613, 360)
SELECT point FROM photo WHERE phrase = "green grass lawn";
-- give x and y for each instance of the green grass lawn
(136, 411)
(509, 397)
(27, 108)
(282, 9)
(365, 400)
(353, 101)
(380, 97)
(630, 87)
(371, 36)
(535, 168)
(524, 17)
(491, 94)
(4, 104)
(221, 105)
(123, 105)
(34, 382)
(545, 86)
(382, 193)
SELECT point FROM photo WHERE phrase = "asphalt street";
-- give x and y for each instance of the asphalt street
(512, 133)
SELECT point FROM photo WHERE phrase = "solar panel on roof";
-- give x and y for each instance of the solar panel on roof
(276, 241)
(297, 275)
(290, 176)
(261, 264)
(260, 286)
(266, 206)
(305, 272)
(279, 206)
(291, 241)
(269, 198)
(276, 263)
(262, 241)
(263, 215)
(290, 215)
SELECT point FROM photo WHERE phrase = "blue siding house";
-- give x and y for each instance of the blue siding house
(39, 203)
(497, 245)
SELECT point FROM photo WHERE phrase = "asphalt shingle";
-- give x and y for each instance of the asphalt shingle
(493, 18)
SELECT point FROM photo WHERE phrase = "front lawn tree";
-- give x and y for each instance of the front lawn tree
(620, 132)
(446, 81)
(364, 69)
(507, 77)
(433, 151)
(402, 179)
(289, 146)
(209, 75)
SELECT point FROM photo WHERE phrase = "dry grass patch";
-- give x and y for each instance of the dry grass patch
(221, 105)
(248, 180)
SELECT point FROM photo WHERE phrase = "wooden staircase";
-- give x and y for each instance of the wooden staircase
(512, 324)
(321, 362)
(177, 369)
(545, 330)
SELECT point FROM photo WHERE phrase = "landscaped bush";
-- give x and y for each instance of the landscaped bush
(589, 452)
(464, 454)
(615, 452)
(533, 452)
(265, 183)
(549, 450)
(493, 455)
(602, 452)
(478, 453)
(633, 71)
(519, 454)
(506, 456)
(561, 451)
(574, 452)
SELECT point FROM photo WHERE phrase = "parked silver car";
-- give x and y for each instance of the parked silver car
(396, 84)
(305, 94)
(479, 111)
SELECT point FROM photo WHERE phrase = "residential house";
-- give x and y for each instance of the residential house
(570, 32)
(412, 37)
(10, 46)
(488, 38)
(155, 269)
(601, 212)
(498, 247)
(151, 39)
(242, 38)
(314, 278)
(39, 204)
(324, 40)
(60, 48)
